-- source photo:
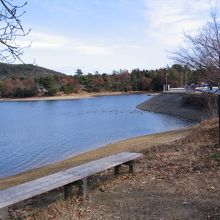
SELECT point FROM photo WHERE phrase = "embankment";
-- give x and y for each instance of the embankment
(194, 107)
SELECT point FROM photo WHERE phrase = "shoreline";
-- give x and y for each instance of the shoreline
(136, 144)
(82, 95)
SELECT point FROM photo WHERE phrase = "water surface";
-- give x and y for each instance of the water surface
(36, 133)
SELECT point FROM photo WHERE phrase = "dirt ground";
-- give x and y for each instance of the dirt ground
(177, 180)
(167, 185)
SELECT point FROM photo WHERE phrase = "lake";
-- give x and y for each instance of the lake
(36, 133)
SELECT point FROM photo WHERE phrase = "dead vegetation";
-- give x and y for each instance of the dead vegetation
(176, 180)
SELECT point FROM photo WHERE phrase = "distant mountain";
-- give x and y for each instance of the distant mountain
(25, 70)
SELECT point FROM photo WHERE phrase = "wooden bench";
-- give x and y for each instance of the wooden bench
(66, 178)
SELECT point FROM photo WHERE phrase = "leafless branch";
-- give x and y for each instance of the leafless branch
(203, 50)
(10, 30)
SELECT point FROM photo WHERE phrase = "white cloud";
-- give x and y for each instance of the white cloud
(43, 41)
(49, 41)
(169, 19)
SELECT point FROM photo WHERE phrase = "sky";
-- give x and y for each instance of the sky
(107, 35)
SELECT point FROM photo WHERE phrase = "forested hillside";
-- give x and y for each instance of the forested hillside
(28, 80)
(24, 70)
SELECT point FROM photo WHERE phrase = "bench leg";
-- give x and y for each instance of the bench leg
(82, 184)
(132, 166)
(4, 214)
(117, 170)
(83, 187)
(68, 190)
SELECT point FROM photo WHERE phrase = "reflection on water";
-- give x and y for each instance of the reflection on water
(36, 133)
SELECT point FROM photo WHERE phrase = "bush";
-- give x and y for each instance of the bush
(22, 93)
(69, 88)
(215, 156)
(52, 91)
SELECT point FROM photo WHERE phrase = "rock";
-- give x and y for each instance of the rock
(102, 188)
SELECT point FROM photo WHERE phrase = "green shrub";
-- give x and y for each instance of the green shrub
(69, 88)
(215, 156)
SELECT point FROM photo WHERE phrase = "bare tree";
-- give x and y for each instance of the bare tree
(203, 50)
(10, 30)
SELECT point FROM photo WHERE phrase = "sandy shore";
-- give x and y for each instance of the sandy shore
(81, 95)
(134, 144)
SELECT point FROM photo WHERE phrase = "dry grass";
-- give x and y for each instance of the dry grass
(204, 133)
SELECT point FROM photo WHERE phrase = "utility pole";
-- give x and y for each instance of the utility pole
(181, 80)
(219, 119)
(166, 83)
(186, 80)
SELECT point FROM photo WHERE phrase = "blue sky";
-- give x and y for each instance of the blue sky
(108, 35)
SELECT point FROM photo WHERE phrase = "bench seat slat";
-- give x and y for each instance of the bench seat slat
(44, 184)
